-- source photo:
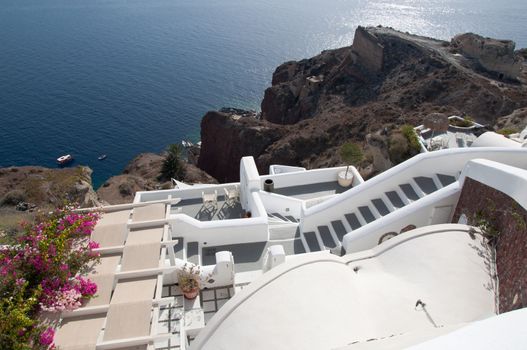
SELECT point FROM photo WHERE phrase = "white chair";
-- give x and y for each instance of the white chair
(232, 195)
(210, 200)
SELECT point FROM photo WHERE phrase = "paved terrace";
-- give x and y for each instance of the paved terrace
(194, 208)
(452, 138)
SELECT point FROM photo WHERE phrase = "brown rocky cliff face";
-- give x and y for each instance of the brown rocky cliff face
(335, 97)
(225, 139)
(412, 71)
(141, 174)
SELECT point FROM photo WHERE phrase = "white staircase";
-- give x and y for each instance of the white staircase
(329, 235)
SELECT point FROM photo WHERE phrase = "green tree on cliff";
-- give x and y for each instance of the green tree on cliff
(351, 154)
(173, 166)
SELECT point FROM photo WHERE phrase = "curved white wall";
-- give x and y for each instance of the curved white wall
(320, 301)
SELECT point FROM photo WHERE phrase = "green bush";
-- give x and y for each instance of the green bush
(351, 154)
(413, 142)
(507, 131)
(173, 166)
(397, 148)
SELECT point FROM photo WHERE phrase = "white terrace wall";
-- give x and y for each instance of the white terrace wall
(449, 162)
(282, 169)
(310, 177)
(275, 203)
(187, 193)
(249, 181)
(220, 232)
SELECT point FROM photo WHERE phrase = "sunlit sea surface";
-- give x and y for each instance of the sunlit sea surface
(120, 77)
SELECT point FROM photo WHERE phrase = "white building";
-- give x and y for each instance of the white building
(315, 266)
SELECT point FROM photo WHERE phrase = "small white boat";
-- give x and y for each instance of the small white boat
(102, 157)
(64, 159)
(187, 144)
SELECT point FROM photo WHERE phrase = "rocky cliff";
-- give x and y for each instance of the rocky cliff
(361, 93)
(141, 174)
(26, 190)
(226, 137)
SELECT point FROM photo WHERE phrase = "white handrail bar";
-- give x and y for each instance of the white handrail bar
(117, 207)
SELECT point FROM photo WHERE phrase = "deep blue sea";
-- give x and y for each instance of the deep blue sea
(121, 77)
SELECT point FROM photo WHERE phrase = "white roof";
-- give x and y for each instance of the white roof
(505, 331)
(320, 302)
(492, 139)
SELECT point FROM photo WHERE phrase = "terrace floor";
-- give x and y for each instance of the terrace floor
(172, 316)
(194, 208)
(453, 138)
(249, 256)
(312, 190)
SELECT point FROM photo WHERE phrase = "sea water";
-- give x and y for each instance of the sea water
(120, 77)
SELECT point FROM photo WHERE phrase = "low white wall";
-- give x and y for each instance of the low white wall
(189, 193)
(419, 213)
(282, 169)
(219, 232)
(507, 179)
(449, 162)
(310, 177)
(255, 205)
(275, 203)
(234, 231)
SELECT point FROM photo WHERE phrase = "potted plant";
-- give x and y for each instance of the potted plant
(350, 153)
(189, 280)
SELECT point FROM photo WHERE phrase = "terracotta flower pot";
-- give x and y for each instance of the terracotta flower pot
(190, 293)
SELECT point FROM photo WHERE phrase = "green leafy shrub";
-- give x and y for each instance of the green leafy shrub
(397, 148)
(403, 144)
(507, 131)
(173, 166)
(351, 154)
(413, 141)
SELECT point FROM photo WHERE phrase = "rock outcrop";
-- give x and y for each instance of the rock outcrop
(495, 56)
(385, 79)
(141, 174)
(225, 138)
(44, 187)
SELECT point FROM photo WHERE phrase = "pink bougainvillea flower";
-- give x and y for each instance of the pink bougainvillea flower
(46, 337)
